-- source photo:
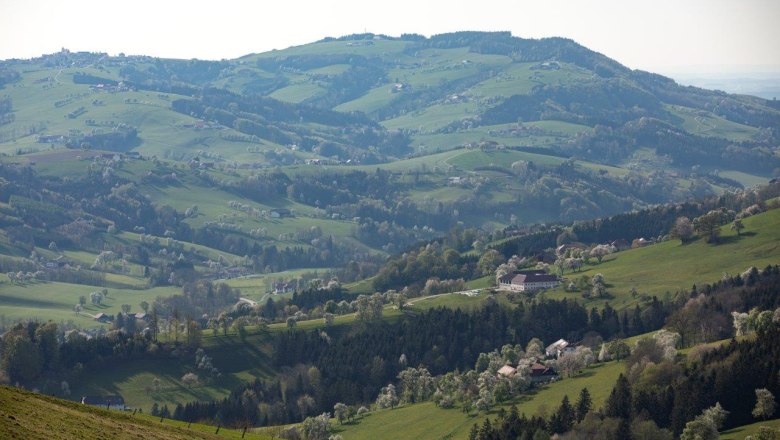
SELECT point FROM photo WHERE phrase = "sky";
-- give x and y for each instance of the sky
(689, 36)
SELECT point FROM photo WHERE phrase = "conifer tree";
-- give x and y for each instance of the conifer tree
(619, 401)
(584, 404)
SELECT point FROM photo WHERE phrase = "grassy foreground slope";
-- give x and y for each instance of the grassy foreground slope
(33, 416)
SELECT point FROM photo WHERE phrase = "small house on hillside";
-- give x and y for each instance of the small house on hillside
(641, 242)
(108, 402)
(140, 316)
(542, 373)
(105, 319)
(557, 348)
(456, 181)
(528, 280)
(507, 371)
(56, 263)
(621, 244)
(282, 288)
(560, 250)
(281, 213)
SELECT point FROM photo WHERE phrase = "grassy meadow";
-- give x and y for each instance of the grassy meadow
(238, 361)
(54, 301)
(743, 431)
(670, 266)
(45, 96)
(426, 420)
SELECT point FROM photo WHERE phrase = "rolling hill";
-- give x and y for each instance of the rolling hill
(146, 176)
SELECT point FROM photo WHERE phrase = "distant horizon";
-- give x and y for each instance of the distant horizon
(763, 80)
(685, 69)
(662, 36)
(706, 70)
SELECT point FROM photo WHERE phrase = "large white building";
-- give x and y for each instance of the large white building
(528, 280)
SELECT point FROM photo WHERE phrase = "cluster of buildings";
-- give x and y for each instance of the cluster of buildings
(107, 319)
(541, 373)
(111, 88)
(330, 162)
(228, 273)
(280, 288)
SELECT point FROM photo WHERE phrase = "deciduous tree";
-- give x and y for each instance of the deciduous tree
(737, 226)
(190, 379)
(682, 229)
(765, 404)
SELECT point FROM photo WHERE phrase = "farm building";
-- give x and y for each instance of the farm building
(280, 213)
(507, 371)
(527, 280)
(542, 373)
(102, 317)
(140, 316)
(283, 288)
(556, 348)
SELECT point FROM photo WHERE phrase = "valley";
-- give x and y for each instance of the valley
(308, 243)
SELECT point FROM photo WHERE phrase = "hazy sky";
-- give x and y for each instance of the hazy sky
(657, 35)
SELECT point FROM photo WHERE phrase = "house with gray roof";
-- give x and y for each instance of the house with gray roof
(528, 280)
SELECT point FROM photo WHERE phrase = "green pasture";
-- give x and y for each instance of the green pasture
(257, 286)
(299, 92)
(742, 432)
(448, 300)
(431, 118)
(670, 266)
(747, 180)
(54, 301)
(426, 420)
(704, 123)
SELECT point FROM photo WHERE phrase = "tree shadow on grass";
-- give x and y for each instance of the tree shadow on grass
(584, 374)
(734, 238)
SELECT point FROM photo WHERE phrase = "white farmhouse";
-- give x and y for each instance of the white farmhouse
(528, 280)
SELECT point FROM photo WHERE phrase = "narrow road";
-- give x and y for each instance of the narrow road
(248, 301)
(423, 298)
